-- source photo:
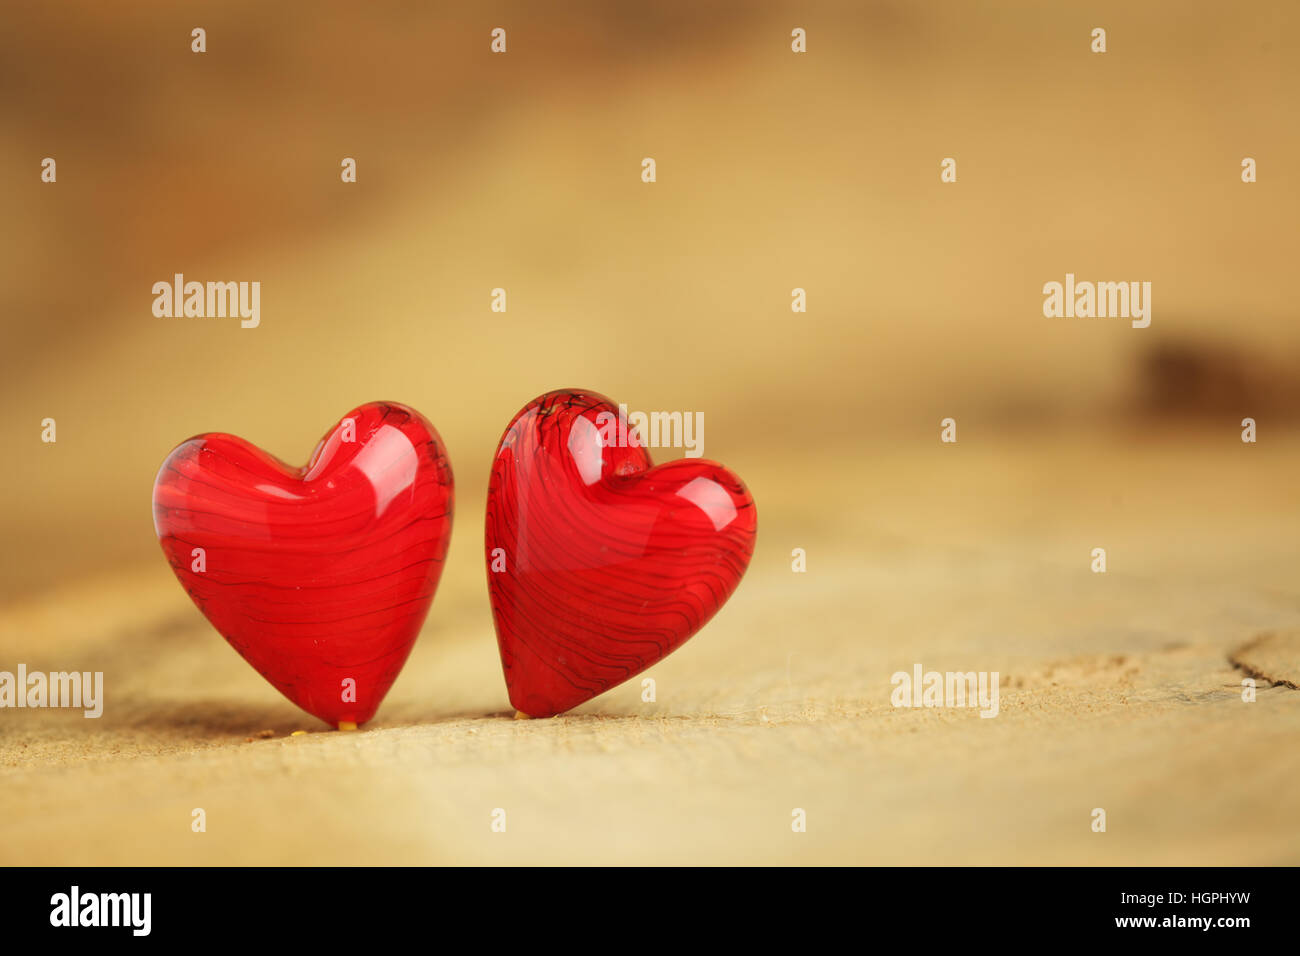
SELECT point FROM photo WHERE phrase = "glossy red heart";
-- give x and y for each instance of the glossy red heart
(600, 564)
(319, 576)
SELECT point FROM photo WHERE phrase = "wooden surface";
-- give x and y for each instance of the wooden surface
(1118, 691)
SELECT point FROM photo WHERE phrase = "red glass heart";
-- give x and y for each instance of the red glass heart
(599, 563)
(318, 575)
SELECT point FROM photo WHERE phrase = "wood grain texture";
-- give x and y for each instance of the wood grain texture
(1272, 657)
(1117, 693)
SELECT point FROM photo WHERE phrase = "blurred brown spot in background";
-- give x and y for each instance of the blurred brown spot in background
(1202, 379)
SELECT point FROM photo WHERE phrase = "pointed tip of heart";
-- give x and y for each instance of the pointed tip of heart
(520, 715)
(347, 725)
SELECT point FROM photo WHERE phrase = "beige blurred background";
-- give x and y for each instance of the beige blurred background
(775, 171)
